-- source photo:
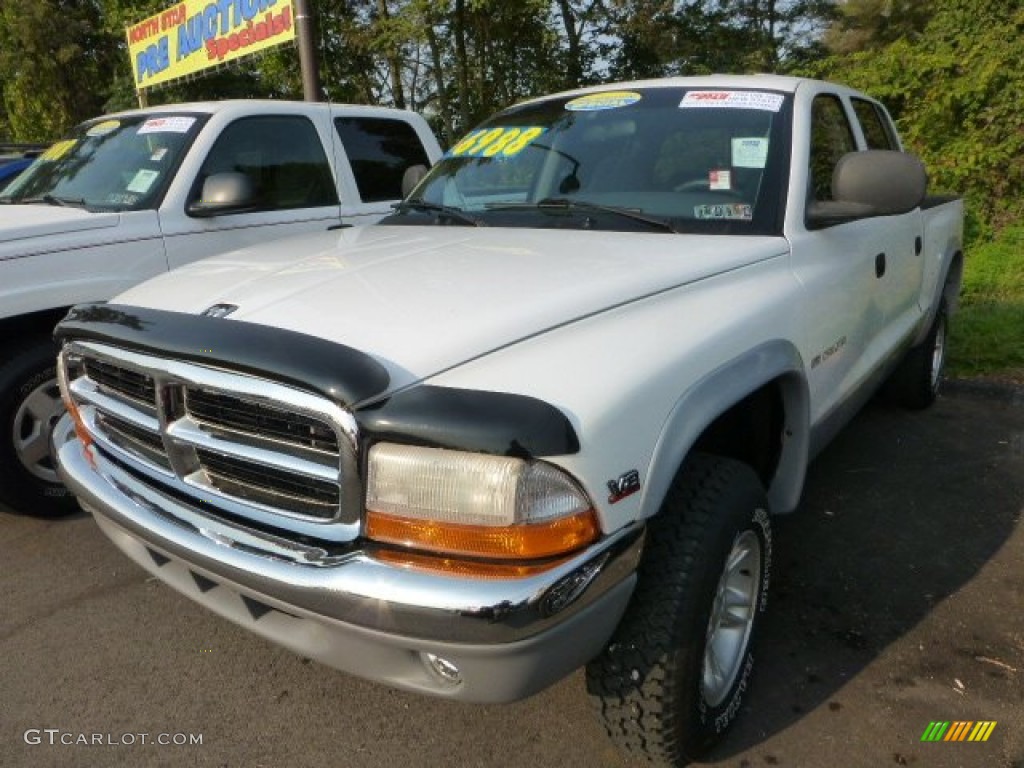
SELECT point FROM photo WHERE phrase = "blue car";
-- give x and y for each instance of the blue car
(15, 158)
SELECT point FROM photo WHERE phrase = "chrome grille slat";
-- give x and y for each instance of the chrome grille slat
(234, 414)
(234, 442)
(86, 391)
(189, 433)
(146, 445)
(271, 487)
(128, 383)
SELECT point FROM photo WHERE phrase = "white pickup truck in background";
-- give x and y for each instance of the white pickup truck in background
(541, 416)
(128, 196)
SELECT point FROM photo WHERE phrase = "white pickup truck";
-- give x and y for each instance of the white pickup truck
(541, 416)
(128, 196)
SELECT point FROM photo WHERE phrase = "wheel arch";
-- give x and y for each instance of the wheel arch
(764, 389)
(42, 321)
(951, 283)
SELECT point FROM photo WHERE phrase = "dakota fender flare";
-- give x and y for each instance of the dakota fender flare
(714, 394)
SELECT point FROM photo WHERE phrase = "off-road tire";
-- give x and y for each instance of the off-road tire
(28, 367)
(915, 384)
(648, 685)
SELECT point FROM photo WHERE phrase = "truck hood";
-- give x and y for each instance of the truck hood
(425, 299)
(22, 226)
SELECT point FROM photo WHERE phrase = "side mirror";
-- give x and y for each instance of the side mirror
(413, 175)
(227, 192)
(877, 182)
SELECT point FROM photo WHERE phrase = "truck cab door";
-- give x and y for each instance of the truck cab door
(295, 189)
(900, 238)
(844, 302)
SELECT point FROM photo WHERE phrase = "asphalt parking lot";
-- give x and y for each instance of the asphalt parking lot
(898, 600)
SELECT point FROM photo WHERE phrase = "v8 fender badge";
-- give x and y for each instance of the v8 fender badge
(623, 486)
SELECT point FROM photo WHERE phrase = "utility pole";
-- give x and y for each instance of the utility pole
(305, 28)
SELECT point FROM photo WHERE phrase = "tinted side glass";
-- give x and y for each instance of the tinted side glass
(380, 150)
(284, 157)
(831, 138)
(876, 128)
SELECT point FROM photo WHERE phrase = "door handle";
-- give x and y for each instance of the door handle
(879, 265)
(918, 245)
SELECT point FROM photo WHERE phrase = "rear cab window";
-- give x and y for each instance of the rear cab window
(379, 151)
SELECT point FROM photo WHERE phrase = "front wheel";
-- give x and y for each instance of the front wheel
(674, 675)
(30, 405)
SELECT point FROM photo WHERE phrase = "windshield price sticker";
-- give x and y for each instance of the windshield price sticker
(58, 150)
(496, 142)
(607, 100)
(769, 102)
(166, 125)
(730, 212)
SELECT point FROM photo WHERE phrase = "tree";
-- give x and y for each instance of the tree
(956, 90)
(862, 25)
(55, 63)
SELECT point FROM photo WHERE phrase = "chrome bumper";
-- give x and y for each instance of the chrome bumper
(507, 637)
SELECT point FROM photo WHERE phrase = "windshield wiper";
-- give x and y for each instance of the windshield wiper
(441, 210)
(62, 202)
(565, 204)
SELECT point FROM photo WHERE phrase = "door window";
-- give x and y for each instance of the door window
(380, 150)
(282, 155)
(877, 131)
(831, 138)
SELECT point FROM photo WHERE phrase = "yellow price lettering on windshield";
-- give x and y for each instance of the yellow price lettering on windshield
(496, 142)
(58, 150)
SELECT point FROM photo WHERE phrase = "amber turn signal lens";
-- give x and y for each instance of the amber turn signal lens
(461, 568)
(69, 404)
(514, 542)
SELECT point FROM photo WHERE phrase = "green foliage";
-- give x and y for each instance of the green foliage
(956, 92)
(52, 56)
(988, 333)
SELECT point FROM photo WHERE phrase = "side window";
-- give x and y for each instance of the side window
(831, 138)
(284, 157)
(876, 127)
(380, 150)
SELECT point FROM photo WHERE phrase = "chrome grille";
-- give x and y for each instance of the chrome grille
(272, 487)
(246, 445)
(140, 442)
(122, 381)
(224, 413)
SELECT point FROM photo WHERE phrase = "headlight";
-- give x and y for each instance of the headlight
(471, 504)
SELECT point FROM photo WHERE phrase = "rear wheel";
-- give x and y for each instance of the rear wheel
(30, 405)
(915, 384)
(673, 677)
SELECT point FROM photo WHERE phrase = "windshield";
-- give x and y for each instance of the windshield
(118, 164)
(649, 159)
